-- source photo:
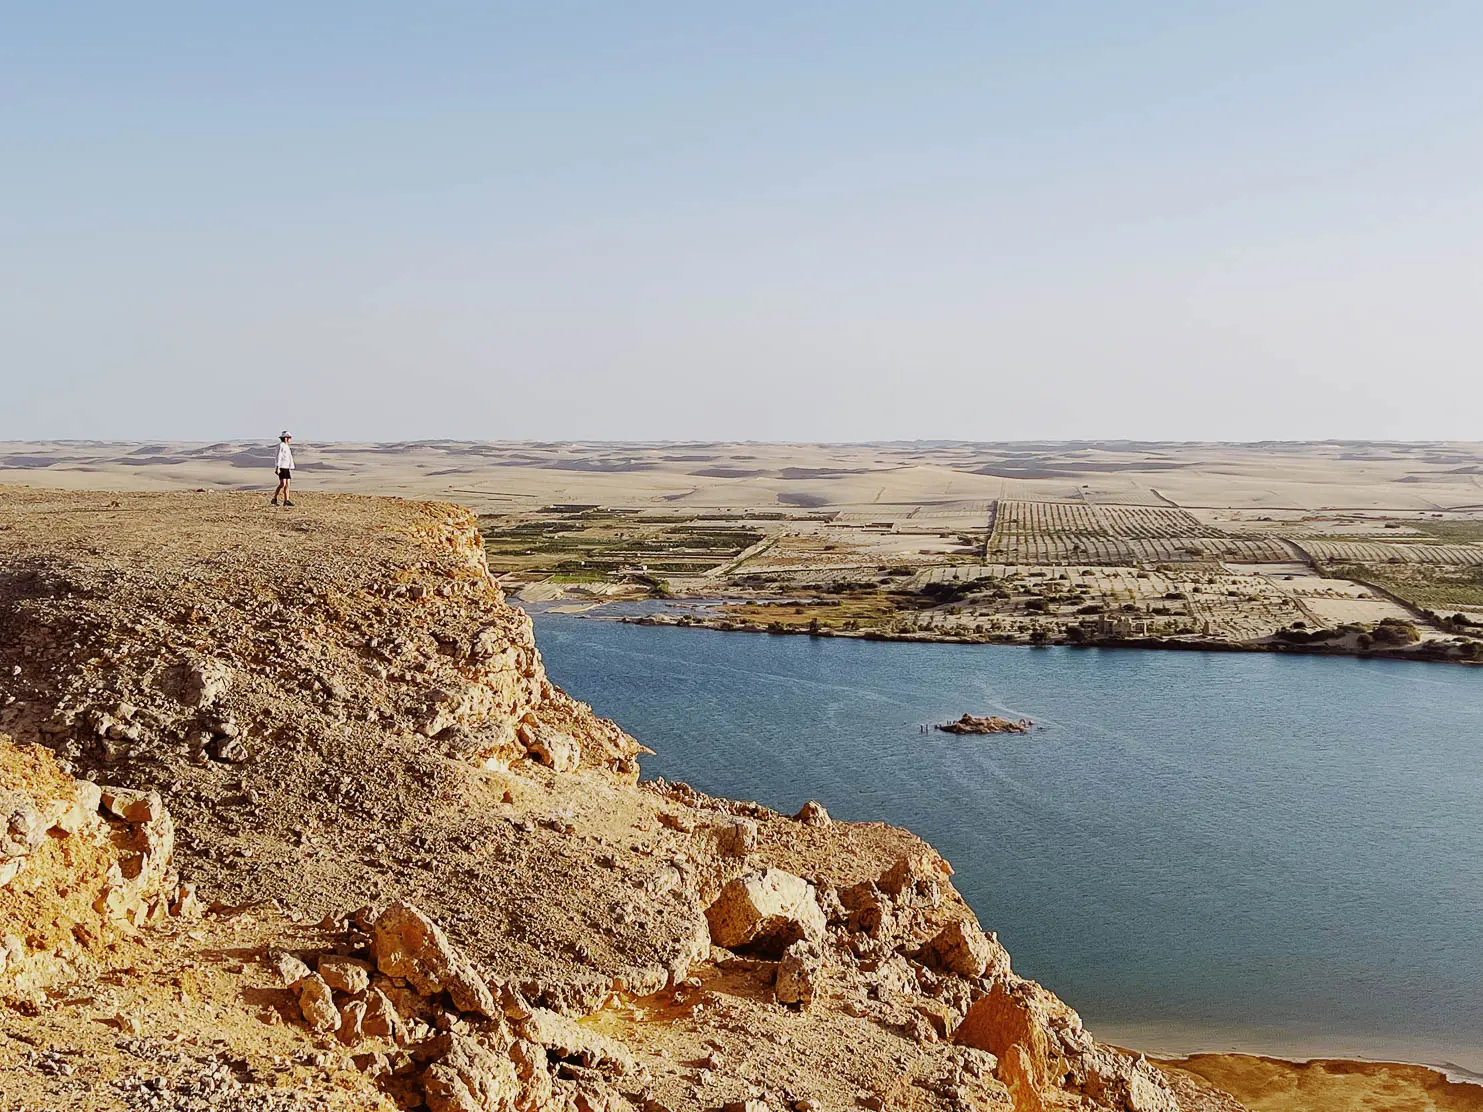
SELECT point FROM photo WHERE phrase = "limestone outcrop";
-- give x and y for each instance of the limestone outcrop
(69, 844)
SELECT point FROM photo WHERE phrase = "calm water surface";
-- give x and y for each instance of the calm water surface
(1198, 851)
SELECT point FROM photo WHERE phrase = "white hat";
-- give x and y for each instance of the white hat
(283, 435)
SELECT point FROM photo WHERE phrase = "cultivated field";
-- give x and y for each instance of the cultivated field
(1062, 532)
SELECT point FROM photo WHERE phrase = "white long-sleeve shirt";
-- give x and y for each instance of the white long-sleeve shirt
(285, 457)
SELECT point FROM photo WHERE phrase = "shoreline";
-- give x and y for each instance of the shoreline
(1378, 1058)
(1166, 644)
(1272, 1083)
(1165, 1045)
(1453, 1074)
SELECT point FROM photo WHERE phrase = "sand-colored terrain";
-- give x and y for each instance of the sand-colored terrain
(1304, 547)
(895, 481)
(1329, 1085)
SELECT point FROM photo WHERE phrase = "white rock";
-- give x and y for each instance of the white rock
(799, 974)
(766, 911)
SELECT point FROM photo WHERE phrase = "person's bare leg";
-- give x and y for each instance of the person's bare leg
(282, 489)
(286, 482)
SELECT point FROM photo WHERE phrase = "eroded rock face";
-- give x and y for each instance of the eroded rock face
(765, 912)
(74, 837)
(141, 873)
(408, 944)
(553, 748)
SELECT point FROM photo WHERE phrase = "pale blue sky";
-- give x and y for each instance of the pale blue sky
(833, 221)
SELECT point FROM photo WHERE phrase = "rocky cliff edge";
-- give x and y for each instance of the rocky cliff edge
(297, 820)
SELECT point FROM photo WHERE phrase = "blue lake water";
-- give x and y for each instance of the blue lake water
(1198, 851)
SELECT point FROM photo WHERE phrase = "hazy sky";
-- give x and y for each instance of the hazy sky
(766, 220)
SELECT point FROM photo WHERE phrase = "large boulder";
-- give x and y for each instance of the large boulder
(962, 948)
(765, 911)
(407, 944)
(464, 1077)
(1011, 1023)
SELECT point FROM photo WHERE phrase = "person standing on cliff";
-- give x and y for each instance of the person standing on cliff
(285, 468)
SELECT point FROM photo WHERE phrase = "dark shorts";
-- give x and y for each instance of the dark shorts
(285, 473)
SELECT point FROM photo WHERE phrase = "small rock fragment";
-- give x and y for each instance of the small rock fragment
(185, 904)
(206, 682)
(962, 948)
(131, 805)
(738, 838)
(381, 1018)
(12, 951)
(553, 748)
(290, 969)
(352, 1019)
(229, 749)
(346, 974)
(318, 1004)
(812, 813)
(799, 974)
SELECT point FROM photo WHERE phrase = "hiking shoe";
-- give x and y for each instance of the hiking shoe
(274, 502)
(286, 502)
